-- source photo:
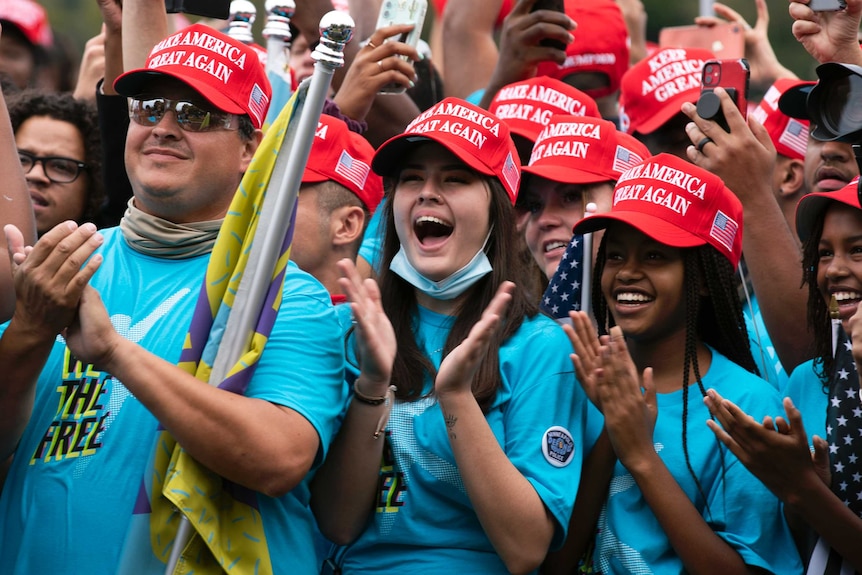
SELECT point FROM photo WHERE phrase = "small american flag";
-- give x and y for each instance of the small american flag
(844, 436)
(511, 173)
(563, 293)
(724, 230)
(795, 137)
(257, 103)
(625, 159)
(354, 170)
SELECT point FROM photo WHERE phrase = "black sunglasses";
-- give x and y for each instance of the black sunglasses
(58, 169)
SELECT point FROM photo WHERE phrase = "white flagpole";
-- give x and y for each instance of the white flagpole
(587, 274)
(278, 38)
(336, 29)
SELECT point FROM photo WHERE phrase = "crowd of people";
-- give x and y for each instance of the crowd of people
(534, 313)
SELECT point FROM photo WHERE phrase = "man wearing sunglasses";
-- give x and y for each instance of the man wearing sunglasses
(79, 416)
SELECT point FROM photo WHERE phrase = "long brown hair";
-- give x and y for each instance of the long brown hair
(412, 365)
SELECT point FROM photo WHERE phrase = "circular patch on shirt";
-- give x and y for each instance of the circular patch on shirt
(558, 446)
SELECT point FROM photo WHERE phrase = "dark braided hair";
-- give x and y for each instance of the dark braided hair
(817, 310)
(715, 319)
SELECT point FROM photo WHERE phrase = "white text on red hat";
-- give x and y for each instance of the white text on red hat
(449, 109)
(548, 97)
(672, 74)
(692, 184)
(198, 59)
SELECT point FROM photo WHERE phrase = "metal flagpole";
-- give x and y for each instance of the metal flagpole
(276, 31)
(587, 272)
(336, 29)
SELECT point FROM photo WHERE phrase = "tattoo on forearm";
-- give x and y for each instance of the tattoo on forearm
(450, 420)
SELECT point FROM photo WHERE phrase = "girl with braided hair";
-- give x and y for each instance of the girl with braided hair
(670, 327)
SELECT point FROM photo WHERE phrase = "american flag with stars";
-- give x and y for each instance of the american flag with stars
(563, 293)
(625, 160)
(724, 230)
(257, 102)
(844, 436)
(354, 170)
(795, 136)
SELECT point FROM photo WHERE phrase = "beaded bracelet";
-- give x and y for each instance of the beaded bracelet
(387, 399)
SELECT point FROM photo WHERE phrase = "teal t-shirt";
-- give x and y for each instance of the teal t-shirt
(424, 521)
(73, 490)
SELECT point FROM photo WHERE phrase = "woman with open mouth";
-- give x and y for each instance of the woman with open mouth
(477, 467)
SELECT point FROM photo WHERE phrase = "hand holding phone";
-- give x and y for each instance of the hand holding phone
(732, 75)
(394, 12)
(556, 6)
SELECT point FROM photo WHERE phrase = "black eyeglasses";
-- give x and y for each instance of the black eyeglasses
(191, 117)
(57, 169)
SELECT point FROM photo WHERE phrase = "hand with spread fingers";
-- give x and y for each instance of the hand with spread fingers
(775, 451)
(375, 338)
(460, 365)
(375, 65)
(587, 357)
(765, 67)
(737, 156)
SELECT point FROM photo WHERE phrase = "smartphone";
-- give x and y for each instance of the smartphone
(732, 75)
(394, 12)
(556, 6)
(219, 9)
(827, 5)
(725, 40)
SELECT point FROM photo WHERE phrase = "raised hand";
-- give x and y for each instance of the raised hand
(765, 67)
(630, 414)
(458, 368)
(50, 277)
(776, 452)
(376, 344)
(375, 65)
(587, 358)
(828, 36)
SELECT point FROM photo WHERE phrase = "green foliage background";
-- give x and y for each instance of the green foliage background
(79, 20)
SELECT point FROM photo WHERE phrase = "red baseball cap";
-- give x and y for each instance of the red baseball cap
(30, 18)
(675, 203)
(225, 71)
(479, 139)
(581, 150)
(601, 44)
(654, 90)
(527, 106)
(789, 135)
(811, 206)
(344, 157)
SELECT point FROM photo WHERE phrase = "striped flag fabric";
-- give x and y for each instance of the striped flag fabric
(724, 229)
(795, 136)
(625, 159)
(354, 170)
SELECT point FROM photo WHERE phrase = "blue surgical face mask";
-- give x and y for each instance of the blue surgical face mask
(450, 287)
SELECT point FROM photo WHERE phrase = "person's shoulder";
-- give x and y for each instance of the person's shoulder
(300, 283)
